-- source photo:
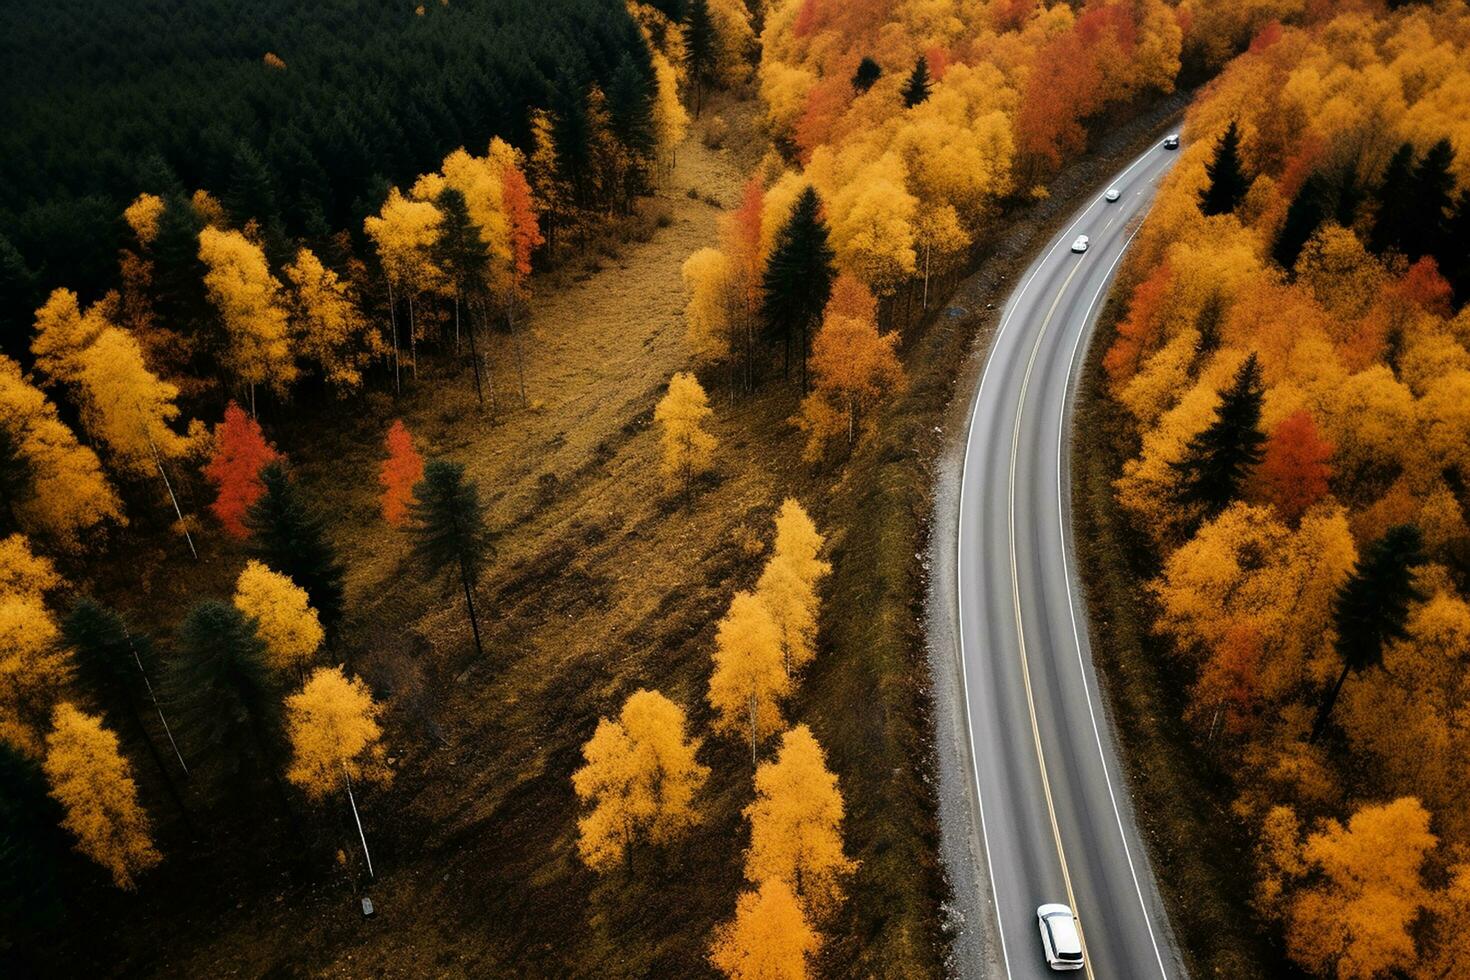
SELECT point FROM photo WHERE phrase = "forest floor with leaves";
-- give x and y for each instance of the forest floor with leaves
(603, 582)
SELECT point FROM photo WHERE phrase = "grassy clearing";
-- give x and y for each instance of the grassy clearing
(1181, 799)
(602, 583)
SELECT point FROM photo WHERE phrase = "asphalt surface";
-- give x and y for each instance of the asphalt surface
(1056, 823)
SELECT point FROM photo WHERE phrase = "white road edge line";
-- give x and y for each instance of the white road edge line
(959, 564)
(1072, 611)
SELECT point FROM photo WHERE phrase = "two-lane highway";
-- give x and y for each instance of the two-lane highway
(1055, 819)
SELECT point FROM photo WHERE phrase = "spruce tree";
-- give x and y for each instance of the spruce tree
(1392, 224)
(1227, 185)
(867, 74)
(179, 298)
(1303, 218)
(1434, 185)
(463, 254)
(31, 848)
(699, 48)
(630, 107)
(112, 665)
(1218, 459)
(447, 522)
(798, 277)
(222, 695)
(916, 89)
(290, 537)
(1372, 607)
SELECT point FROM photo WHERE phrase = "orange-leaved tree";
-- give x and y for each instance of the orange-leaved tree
(400, 472)
(796, 825)
(332, 723)
(94, 785)
(853, 366)
(1295, 468)
(240, 451)
(769, 938)
(640, 777)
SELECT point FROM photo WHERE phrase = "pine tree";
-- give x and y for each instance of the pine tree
(1227, 185)
(1217, 460)
(700, 48)
(221, 690)
(94, 784)
(1434, 185)
(1392, 225)
(630, 97)
(113, 664)
(290, 536)
(1372, 607)
(1303, 217)
(798, 277)
(31, 848)
(447, 522)
(464, 256)
(916, 89)
(867, 74)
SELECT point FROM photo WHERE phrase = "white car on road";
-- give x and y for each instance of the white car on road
(1080, 245)
(1060, 939)
(1171, 142)
(1112, 195)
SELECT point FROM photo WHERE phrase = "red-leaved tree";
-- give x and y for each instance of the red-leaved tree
(1295, 470)
(240, 450)
(403, 468)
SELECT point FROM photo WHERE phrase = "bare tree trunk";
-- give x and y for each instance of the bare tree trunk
(469, 599)
(393, 319)
(169, 486)
(413, 339)
(360, 835)
(475, 363)
(925, 306)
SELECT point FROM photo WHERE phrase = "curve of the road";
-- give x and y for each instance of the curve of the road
(1055, 819)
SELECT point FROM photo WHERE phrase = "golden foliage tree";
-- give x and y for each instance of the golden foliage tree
(404, 233)
(250, 303)
(63, 333)
(143, 216)
(681, 413)
(332, 723)
(128, 408)
(788, 583)
(65, 491)
(34, 666)
(94, 784)
(640, 778)
(750, 678)
(327, 325)
(769, 938)
(1356, 921)
(282, 615)
(796, 825)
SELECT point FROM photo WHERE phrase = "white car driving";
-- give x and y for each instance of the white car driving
(1080, 245)
(1171, 142)
(1112, 195)
(1060, 939)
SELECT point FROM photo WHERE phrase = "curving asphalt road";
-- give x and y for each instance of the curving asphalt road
(1056, 822)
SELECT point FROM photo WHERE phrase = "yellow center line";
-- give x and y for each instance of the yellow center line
(1020, 629)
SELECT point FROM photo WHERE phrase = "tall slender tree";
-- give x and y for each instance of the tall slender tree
(1372, 607)
(916, 89)
(1227, 184)
(1303, 217)
(1217, 460)
(700, 50)
(798, 277)
(447, 522)
(1394, 196)
(463, 254)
